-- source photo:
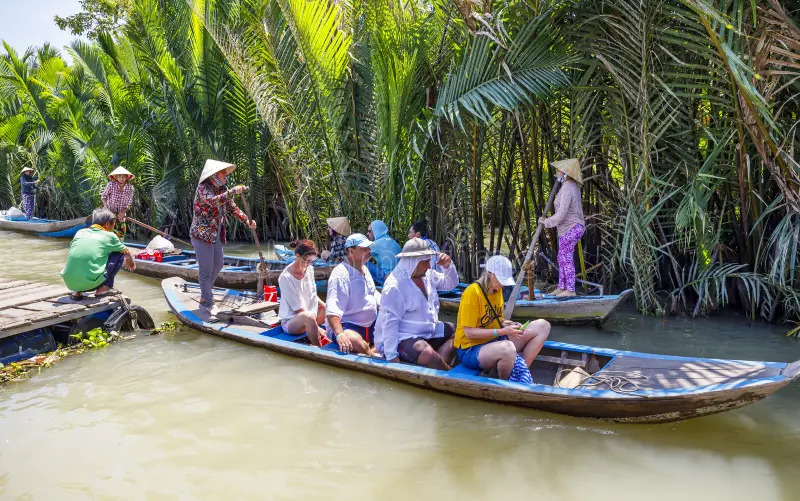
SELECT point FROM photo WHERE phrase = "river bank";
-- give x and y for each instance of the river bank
(186, 415)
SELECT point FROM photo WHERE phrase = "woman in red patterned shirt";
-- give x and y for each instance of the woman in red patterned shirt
(212, 201)
(118, 197)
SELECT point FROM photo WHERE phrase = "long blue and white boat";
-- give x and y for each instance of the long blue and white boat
(44, 227)
(570, 379)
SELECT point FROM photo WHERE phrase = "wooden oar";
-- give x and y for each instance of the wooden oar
(262, 267)
(154, 230)
(513, 299)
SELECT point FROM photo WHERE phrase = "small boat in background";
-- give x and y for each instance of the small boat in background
(44, 227)
(237, 273)
(575, 310)
(287, 255)
(576, 380)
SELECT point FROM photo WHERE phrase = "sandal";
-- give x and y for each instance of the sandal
(76, 296)
(109, 292)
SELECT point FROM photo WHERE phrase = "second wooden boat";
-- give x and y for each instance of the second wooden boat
(238, 272)
(577, 310)
(45, 227)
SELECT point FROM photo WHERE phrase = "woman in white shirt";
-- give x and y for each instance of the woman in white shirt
(300, 308)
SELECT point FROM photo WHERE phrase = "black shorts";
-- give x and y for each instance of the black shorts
(408, 353)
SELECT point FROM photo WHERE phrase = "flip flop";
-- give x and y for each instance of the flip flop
(76, 296)
(109, 292)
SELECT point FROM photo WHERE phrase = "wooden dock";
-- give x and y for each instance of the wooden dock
(26, 306)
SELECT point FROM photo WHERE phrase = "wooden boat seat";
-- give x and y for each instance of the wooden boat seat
(251, 309)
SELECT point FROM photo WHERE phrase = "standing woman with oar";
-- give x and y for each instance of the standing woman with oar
(568, 220)
(212, 201)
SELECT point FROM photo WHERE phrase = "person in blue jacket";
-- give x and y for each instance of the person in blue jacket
(384, 250)
(29, 186)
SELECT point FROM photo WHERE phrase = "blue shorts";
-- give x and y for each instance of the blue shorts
(469, 356)
(366, 333)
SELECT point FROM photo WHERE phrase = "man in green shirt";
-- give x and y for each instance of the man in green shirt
(95, 257)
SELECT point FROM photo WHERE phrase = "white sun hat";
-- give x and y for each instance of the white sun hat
(121, 171)
(28, 168)
(212, 167)
(416, 247)
(570, 167)
(501, 267)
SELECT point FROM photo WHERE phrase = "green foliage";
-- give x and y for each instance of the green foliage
(97, 16)
(95, 338)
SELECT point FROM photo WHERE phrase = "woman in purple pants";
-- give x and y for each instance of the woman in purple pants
(568, 220)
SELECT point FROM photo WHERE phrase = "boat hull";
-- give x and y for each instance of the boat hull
(583, 310)
(46, 227)
(653, 407)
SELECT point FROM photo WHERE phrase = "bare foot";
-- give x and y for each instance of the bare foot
(556, 291)
(566, 294)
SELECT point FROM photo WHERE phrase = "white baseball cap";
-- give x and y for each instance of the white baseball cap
(501, 267)
(357, 240)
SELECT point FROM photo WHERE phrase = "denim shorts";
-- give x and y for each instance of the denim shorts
(469, 356)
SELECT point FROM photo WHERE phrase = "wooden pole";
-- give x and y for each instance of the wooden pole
(262, 267)
(513, 299)
(154, 230)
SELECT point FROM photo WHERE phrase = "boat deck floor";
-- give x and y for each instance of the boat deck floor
(25, 306)
(667, 374)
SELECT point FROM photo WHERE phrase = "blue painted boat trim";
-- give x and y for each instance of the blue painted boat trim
(175, 301)
(68, 233)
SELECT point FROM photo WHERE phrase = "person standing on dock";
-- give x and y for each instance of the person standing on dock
(118, 196)
(212, 202)
(95, 257)
(408, 326)
(569, 221)
(29, 186)
(352, 302)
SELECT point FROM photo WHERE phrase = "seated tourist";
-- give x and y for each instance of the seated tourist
(338, 231)
(384, 249)
(352, 303)
(420, 230)
(484, 340)
(300, 308)
(408, 326)
(95, 257)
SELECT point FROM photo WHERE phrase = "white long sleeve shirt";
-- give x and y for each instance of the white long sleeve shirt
(407, 313)
(352, 295)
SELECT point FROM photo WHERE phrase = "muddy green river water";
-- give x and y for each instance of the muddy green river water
(184, 415)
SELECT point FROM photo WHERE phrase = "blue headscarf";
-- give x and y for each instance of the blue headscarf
(385, 249)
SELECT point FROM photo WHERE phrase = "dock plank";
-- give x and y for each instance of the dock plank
(8, 284)
(46, 292)
(19, 291)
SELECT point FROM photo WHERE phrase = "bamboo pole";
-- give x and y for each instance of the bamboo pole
(513, 299)
(262, 266)
(154, 230)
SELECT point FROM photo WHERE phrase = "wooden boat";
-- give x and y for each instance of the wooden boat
(577, 310)
(34, 316)
(237, 273)
(287, 256)
(45, 227)
(624, 386)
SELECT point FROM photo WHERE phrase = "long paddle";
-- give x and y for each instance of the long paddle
(513, 299)
(263, 265)
(165, 235)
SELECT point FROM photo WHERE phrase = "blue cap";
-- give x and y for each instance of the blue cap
(357, 240)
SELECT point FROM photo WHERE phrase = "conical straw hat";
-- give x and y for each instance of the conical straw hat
(28, 169)
(340, 225)
(212, 167)
(570, 167)
(121, 171)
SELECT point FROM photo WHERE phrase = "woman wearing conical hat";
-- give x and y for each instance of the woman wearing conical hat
(212, 202)
(29, 185)
(118, 196)
(568, 220)
(338, 231)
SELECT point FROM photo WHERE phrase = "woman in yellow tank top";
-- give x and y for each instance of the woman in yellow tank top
(483, 339)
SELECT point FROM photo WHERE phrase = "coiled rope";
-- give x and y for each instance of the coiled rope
(617, 381)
